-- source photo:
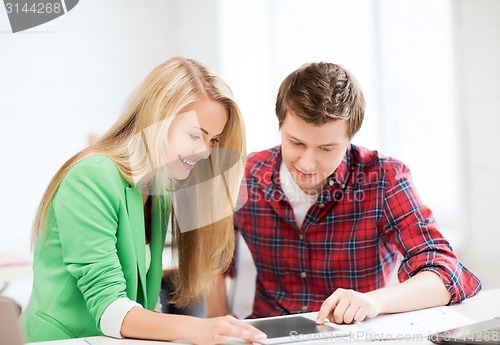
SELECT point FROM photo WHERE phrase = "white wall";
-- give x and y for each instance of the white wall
(477, 51)
(71, 77)
(263, 41)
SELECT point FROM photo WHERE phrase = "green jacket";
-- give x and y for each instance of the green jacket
(92, 253)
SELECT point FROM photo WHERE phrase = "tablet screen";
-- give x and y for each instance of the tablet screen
(289, 329)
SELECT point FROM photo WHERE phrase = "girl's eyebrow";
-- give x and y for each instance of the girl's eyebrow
(205, 131)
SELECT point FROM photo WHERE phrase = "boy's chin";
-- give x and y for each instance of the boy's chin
(310, 189)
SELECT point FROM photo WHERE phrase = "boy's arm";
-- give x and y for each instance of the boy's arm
(216, 298)
(424, 290)
(410, 227)
(431, 273)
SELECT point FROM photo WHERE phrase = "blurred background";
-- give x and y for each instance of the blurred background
(430, 70)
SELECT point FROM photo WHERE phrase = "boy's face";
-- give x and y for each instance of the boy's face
(312, 153)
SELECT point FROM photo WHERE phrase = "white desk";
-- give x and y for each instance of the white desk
(485, 305)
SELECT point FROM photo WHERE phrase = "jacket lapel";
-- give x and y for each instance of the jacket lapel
(136, 216)
(159, 223)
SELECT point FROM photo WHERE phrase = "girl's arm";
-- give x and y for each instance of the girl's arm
(144, 324)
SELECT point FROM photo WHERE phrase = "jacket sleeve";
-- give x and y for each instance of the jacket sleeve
(410, 227)
(86, 207)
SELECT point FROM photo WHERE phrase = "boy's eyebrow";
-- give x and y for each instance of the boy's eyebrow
(322, 145)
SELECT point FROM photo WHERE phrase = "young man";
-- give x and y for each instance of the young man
(326, 220)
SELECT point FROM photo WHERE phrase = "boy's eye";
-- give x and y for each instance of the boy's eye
(297, 143)
(326, 149)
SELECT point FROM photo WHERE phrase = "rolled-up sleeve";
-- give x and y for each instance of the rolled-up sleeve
(410, 226)
(113, 316)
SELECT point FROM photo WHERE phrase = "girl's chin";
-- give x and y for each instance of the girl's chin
(180, 175)
(177, 172)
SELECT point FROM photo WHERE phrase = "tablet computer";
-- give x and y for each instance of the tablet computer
(295, 328)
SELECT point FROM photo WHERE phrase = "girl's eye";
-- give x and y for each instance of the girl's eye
(194, 136)
(215, 140)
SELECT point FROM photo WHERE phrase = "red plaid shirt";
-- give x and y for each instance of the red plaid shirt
(367, 213)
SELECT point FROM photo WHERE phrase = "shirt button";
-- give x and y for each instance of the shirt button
(301, 237)
(321, 205)
(304, 307)
(331, 183)
(303, 274)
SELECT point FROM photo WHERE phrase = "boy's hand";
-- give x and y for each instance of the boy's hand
(346, 306)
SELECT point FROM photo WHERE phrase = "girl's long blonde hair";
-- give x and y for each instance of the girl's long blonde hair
(168, 90)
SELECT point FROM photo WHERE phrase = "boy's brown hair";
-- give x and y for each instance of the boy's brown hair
(322, 92)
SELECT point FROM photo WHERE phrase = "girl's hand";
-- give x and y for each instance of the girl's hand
(219, 330)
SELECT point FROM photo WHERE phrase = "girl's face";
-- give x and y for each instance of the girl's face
(192, 135)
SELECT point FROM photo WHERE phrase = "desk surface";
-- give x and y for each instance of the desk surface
(485, 305)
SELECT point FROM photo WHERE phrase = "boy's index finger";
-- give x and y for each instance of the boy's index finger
(326, 308)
